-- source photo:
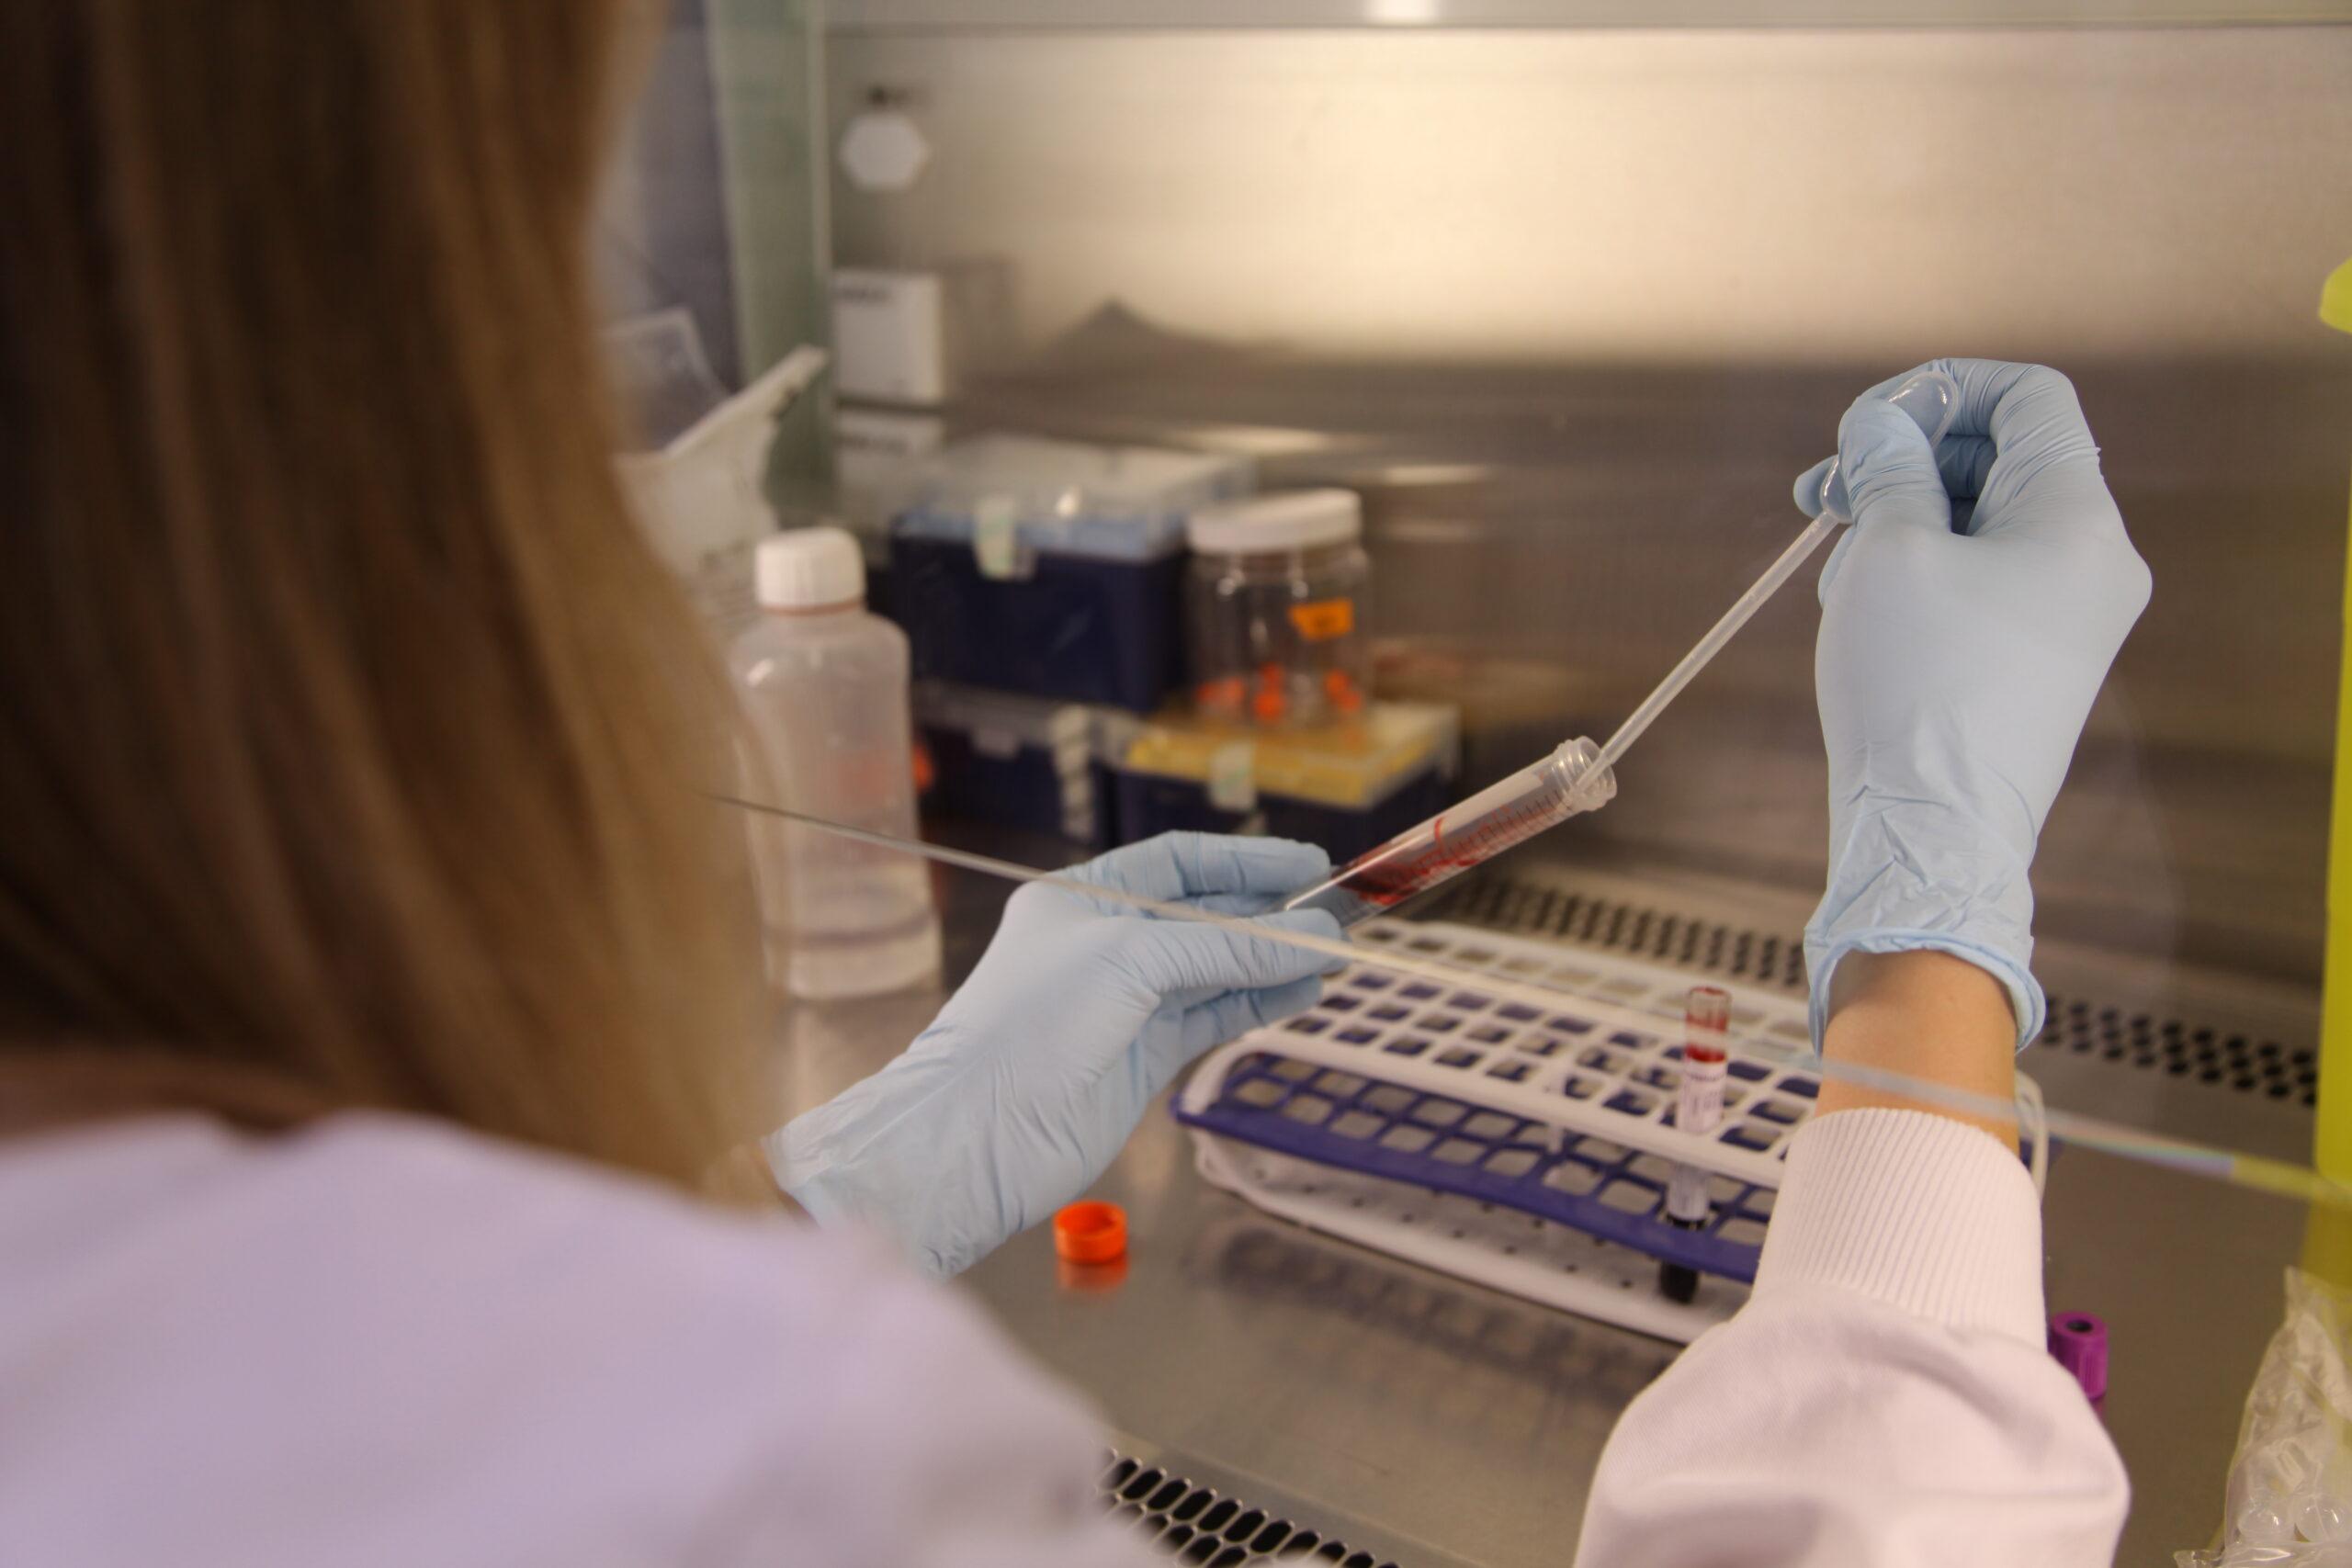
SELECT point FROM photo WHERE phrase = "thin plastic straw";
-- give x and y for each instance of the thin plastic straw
(1742, 611)
(1930, 399)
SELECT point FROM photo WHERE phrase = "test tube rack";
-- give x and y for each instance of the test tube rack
(1521, 1137)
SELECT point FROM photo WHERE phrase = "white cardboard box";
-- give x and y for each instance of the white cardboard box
(913, 337)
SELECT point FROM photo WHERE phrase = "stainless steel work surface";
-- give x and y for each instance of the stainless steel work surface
(1365, 1387)
(1450, 1414)
(1447, 1423)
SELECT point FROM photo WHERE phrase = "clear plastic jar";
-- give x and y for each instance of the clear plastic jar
(1276, 609)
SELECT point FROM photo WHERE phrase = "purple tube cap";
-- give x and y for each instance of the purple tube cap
(2079, 1341)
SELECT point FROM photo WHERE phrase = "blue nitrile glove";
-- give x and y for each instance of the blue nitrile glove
(1967, 620)
(1040, 1066)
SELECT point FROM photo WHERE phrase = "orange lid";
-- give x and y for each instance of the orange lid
(1091, 1232)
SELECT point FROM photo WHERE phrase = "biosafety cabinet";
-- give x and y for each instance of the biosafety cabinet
(1567, 295)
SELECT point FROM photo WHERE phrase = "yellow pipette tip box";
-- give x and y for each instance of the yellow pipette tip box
(1352, 764)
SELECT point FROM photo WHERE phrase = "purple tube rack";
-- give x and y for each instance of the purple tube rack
(1357, 1123)
(1334, 1106)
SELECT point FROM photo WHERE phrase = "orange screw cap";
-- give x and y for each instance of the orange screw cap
(1090, 1232)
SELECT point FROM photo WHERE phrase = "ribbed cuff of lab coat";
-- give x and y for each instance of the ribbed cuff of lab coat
(1917, 1211)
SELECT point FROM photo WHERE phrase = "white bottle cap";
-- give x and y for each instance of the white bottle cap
(809, 569)
(1286, 520)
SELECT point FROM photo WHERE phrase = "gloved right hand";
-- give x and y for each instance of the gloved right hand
(1967, 620)
(1082, 1010)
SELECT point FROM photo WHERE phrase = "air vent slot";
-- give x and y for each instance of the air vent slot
(1199, 1525)
(1760, 958)
(2209, 1054)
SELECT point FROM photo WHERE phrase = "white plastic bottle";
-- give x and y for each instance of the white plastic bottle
(825, 684)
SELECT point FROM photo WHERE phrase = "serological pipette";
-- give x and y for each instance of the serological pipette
(1579, 776)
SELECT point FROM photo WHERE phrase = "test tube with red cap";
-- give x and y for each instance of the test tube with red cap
(1698, 1110)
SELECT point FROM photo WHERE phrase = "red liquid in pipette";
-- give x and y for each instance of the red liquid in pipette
(1505, 813)
(1387, 882)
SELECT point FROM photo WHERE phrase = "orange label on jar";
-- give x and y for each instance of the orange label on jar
(1324, 619)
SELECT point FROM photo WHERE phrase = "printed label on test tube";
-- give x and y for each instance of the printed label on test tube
(1699, 1104)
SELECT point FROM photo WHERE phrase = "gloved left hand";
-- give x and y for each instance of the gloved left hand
(1037, 1070)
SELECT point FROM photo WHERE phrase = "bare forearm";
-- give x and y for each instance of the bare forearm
(1928, 1016)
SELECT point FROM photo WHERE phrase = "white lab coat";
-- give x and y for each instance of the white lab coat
(1886, 1397)
(386, 1342)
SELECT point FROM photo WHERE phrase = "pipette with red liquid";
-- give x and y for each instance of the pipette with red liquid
(1459, 836)
(1578, 777)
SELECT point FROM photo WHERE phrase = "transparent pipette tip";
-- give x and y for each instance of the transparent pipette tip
(1590, 782)
(1931, 398)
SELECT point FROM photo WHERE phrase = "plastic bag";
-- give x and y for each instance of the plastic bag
(2289, 1494)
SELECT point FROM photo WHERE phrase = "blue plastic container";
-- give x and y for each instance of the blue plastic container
(1053, 569)
(1012, 761)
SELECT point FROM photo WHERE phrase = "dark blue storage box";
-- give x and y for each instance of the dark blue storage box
(1011, 761)
(1053, 569)
(1078, 629)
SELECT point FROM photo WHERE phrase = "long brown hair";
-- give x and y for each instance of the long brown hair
(348, 732)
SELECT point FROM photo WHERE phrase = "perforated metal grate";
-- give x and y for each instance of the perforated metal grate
(1760, 958)
(1199, 1525)
(2183, 1048)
